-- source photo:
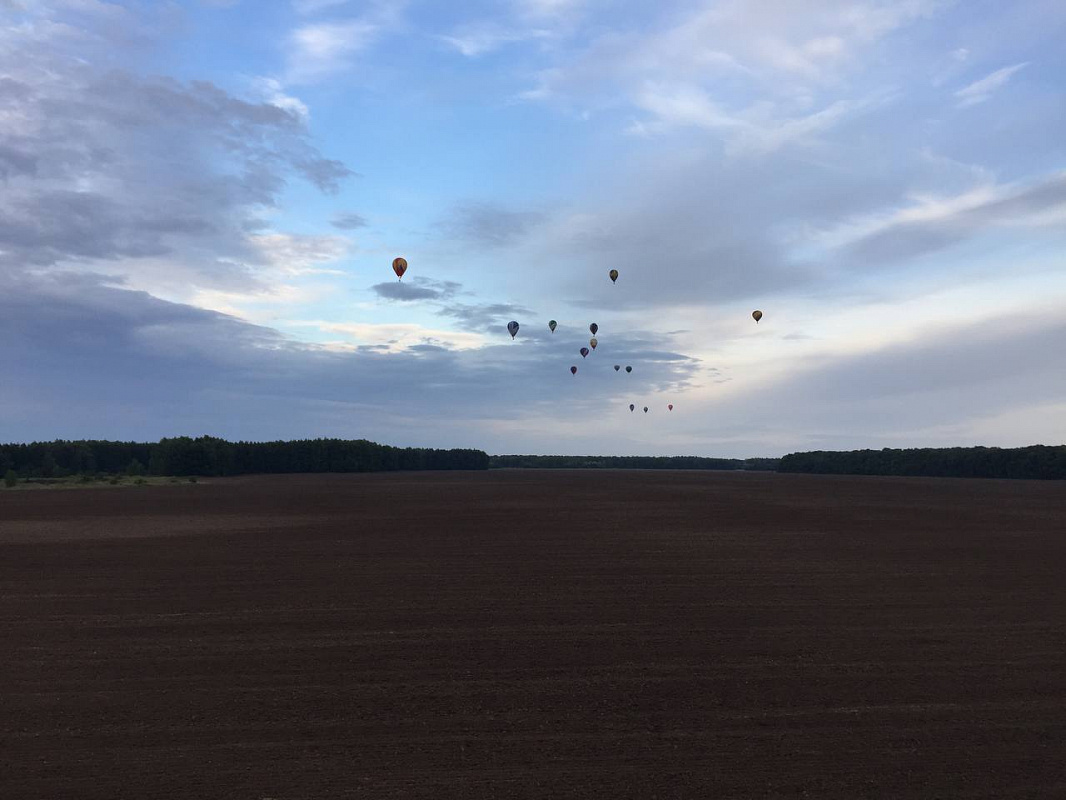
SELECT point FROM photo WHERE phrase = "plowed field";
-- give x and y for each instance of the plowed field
(535, 634)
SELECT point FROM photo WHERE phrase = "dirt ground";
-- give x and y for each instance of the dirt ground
(535, 634)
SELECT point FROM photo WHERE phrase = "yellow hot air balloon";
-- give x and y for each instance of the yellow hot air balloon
(593, 343)
(756, 315)
(613, 275)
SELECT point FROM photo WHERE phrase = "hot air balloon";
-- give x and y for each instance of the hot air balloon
(512, 328)
(593, 343)
(584, 352)
(645, 409)
(573, 370)
(399, 266)
(757, 315)
(629, 369)
(593, 328)
(617, 367)
(670, 407)
(551, 325)
(632, 407)
(614, 275)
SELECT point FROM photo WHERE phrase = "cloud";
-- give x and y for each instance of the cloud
(487, 317)
(153, 179)
(981, 90)
(550, 9)
(936, 389)
(416, 289)
(348, 221)
(784, 53)
(273, 92)
(322, 49)
(932, 223)
(295, 254)
(144, 368)
(489, 224)
(746, 131)
(482, 38)
(314, 6)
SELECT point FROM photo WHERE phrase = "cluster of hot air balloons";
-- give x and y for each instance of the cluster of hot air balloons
(399, 266)
(594, 329)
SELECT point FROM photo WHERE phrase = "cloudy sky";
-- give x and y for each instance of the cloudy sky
(200, 202)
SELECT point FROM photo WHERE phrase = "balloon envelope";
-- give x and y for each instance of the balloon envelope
(631, 406)
(573, 370)
(399, 266)
(629, 369)
(614, 275)
(617, 367)
(645, 409)
(584, 352)
(593, 343)
(593, 328)
(512, 328)
(670, 407)
(551, 325)
(756, 315)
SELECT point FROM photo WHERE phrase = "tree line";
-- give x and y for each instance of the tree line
(629, 462)
(1036, 462)
(209, 456)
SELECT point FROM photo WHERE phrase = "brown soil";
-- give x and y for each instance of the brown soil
(535, 635)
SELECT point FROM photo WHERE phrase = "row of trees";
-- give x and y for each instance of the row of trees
(630, 462)
(207, 455)
(1036, 462)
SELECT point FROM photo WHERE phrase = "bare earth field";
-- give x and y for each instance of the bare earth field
(535, 635)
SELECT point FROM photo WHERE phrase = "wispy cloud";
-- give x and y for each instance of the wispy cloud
(416, 289)
(981, 90)
(751, 130)
(294, 254)
(931, 222)
(271, 90)
(477, 40)
(323, 49)
(348, 221)
(490, 224)
(314, 6)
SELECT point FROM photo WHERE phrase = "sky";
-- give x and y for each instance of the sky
(200, 203)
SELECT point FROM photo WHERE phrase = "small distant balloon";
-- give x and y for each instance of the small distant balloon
(629, 369)
(552, 324)
(670, 407)
(645, 409)
(614, 275)
(617, 367)
(593, 343)
(573, 370)
(584, 352)
(399, 266)
(631, 407)
(512, 328)
(593, 328)
(756, 315)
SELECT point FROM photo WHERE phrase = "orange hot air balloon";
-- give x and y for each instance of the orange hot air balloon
(399, 266)
(756, 315)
